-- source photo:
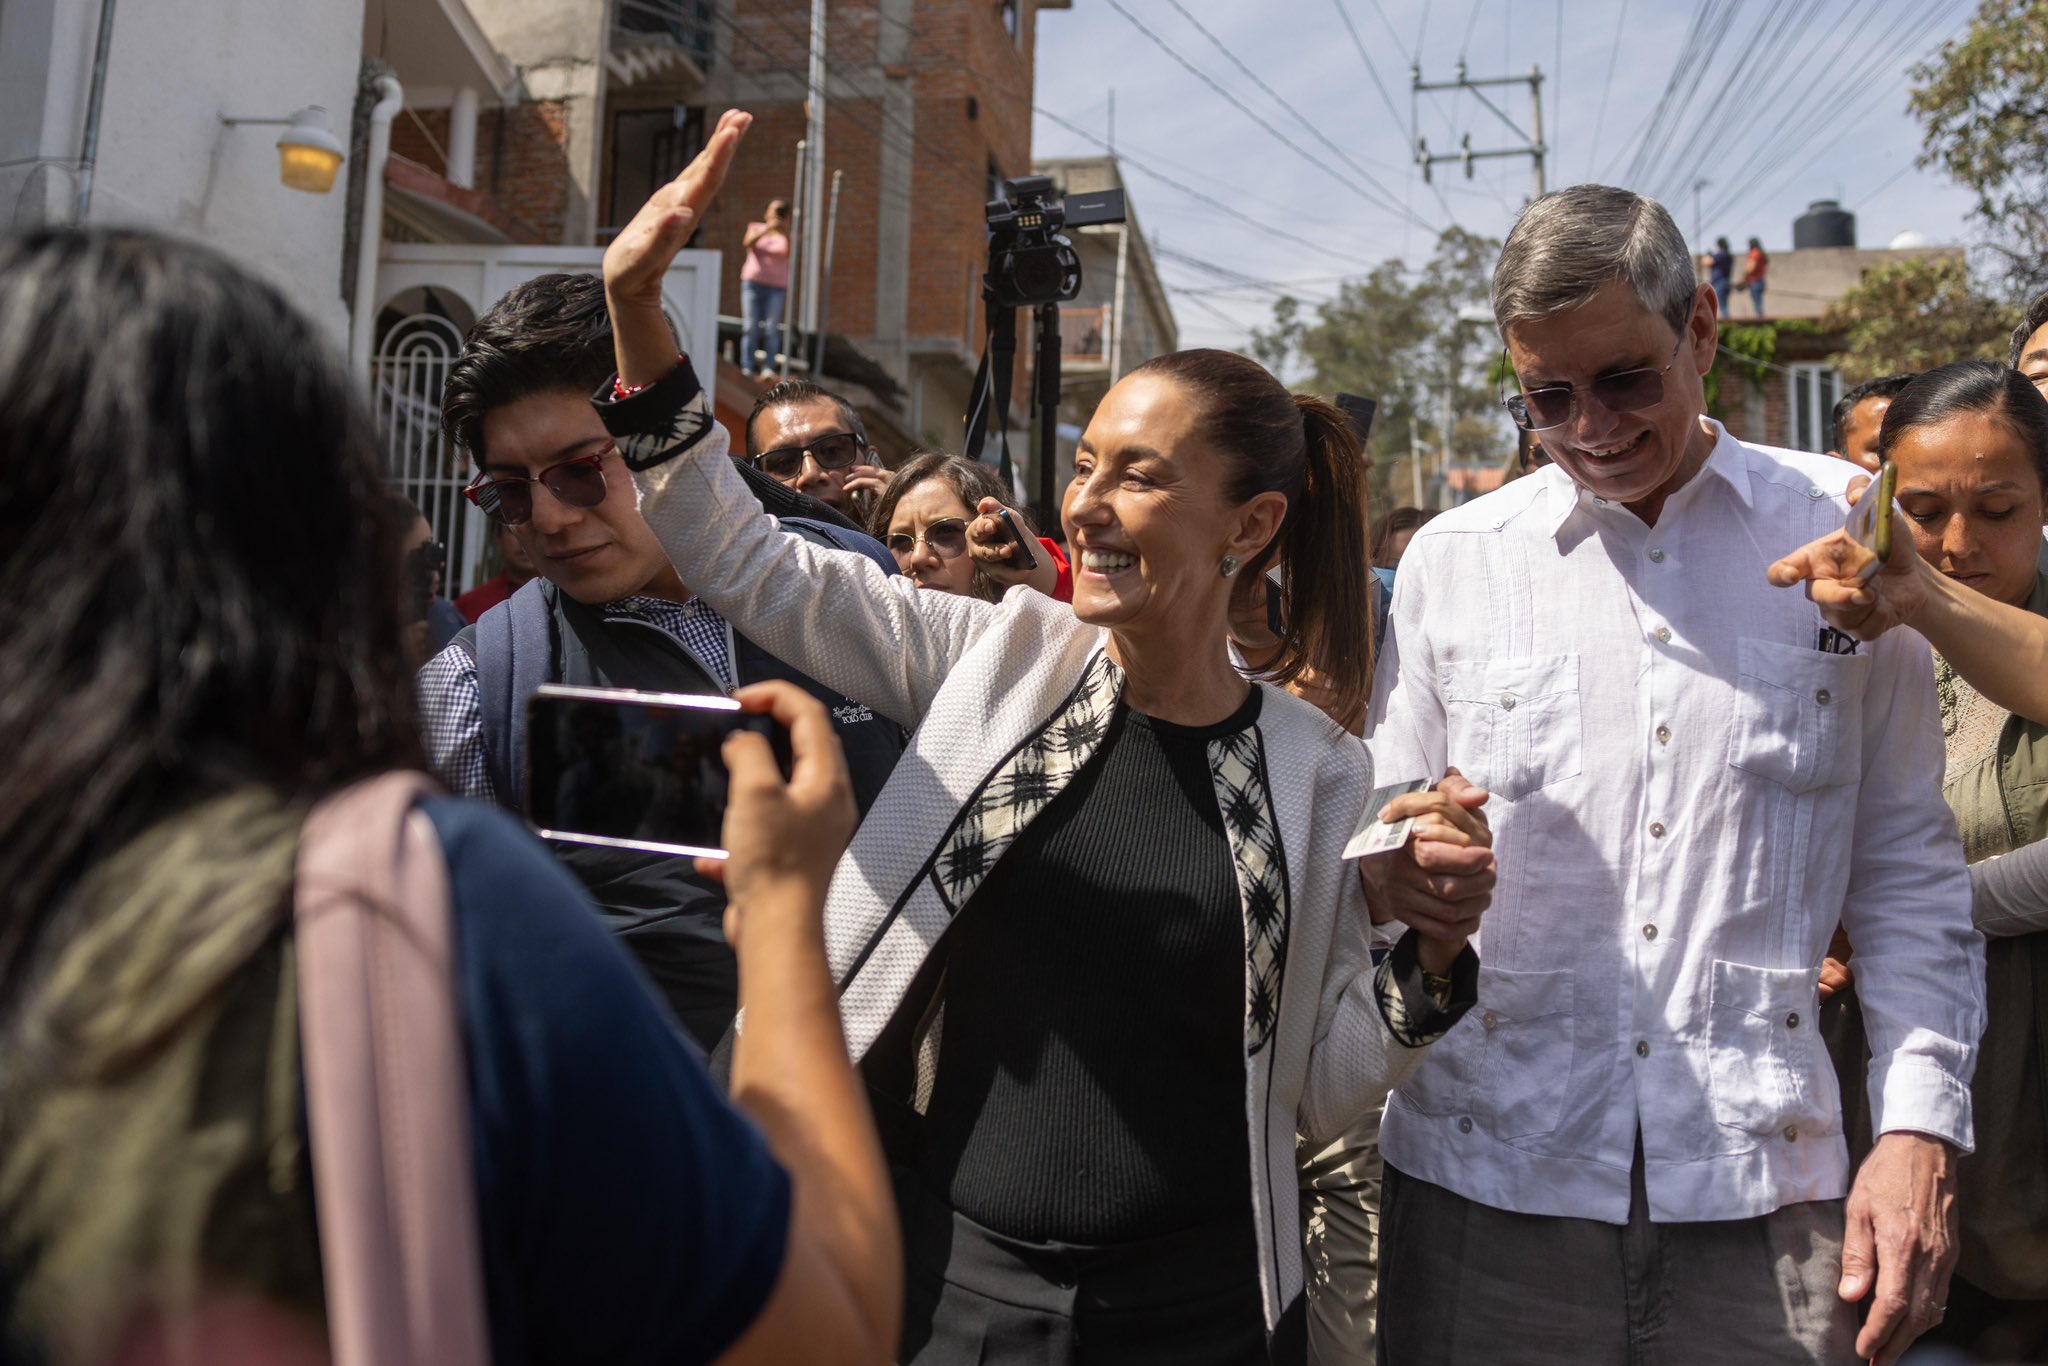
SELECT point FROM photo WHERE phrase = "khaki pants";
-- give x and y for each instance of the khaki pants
(1465, 1283)
(1340, 1213)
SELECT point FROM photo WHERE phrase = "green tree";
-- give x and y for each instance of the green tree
(1914, 315)
(1396, 334)
(1983, 107)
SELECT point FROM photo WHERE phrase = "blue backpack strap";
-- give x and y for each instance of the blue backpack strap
(839, 538)
(515, 654)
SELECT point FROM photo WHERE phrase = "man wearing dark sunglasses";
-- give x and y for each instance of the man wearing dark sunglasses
(607, 609)
(810, 439)
(1637, 1141)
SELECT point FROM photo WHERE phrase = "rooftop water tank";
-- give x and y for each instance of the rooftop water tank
(1824, 224)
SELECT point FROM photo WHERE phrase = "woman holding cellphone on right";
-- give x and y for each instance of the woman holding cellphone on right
(1970, 446)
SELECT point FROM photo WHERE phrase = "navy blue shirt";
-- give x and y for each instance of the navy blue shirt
(629, 1213)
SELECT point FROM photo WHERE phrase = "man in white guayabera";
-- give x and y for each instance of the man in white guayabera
(1631, 1149)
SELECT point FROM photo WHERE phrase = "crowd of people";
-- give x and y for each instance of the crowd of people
(1101, 978)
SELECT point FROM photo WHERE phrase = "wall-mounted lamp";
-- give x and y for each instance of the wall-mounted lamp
(308, 153)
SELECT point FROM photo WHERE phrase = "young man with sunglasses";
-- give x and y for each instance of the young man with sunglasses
(607, 609)
(811, 440)
(1632, 1149)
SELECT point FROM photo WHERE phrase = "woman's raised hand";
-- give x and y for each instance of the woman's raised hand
(641, 254)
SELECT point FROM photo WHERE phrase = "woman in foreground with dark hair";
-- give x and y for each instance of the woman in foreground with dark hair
(201, 637)
(1971, 445)
(937, 515)
(1099, 949)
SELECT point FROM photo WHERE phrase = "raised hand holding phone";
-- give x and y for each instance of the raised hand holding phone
(1870, 518)
(1002, 549)
(1856, 590)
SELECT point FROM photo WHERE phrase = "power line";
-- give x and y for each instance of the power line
(1747, 74)
(1678, 68)
(1383, 199)
(1600, 121)
(1557, 87)
(1270, 92)
(1203, 196)
(1365, 56)
(1832, 108)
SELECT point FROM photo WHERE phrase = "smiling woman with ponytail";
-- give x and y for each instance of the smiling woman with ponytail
(1108, 874)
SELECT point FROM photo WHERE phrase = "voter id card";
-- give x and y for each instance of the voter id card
(1376, 836)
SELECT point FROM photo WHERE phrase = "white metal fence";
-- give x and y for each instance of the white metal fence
(406, 375)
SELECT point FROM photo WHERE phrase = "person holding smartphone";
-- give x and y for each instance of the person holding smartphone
(158, 1185)
(1099, 950)
(944, 519)
(1970, 446)
(807, 438)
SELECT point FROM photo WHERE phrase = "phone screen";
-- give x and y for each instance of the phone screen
(1023, 559)
(634, 770)
(1870, 521)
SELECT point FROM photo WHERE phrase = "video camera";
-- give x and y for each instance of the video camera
(1031, 264)
(1030, 260)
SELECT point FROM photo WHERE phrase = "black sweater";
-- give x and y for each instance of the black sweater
(1091, 1076)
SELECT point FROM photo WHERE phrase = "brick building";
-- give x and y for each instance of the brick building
(928, 106)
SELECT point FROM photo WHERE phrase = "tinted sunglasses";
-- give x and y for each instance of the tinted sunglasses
(945, 538)
(832, 451)
(578, 483)
(1630, 391)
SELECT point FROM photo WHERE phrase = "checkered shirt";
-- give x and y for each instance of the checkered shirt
(451, 704)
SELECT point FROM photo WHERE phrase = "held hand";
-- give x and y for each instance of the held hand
(1441, 881)
(641, 254)
(1901, 1239)
(782, 839)
(1832, 569)
(1834, 976)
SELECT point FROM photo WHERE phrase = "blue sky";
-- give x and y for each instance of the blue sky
(1774, 102)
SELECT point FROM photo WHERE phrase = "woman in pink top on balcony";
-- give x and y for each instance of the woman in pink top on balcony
(764, 284)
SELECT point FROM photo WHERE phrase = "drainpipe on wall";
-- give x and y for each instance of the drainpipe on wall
(370, 228)
(89, 151)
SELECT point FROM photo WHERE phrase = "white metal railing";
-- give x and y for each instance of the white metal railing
(406, 377)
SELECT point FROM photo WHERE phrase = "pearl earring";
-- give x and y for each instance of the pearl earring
(1229, 566)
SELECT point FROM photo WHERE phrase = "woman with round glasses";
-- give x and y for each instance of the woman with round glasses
(938, 517)
(1097, 944)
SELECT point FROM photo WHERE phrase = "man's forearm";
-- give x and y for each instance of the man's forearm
(791, 1073)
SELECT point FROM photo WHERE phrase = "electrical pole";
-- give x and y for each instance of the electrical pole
(1699, 232)
(1532, 146)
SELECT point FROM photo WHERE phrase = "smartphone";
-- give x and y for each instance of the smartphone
(1014, 534)
(634, 770)
(1276, 602)
(1359, 411)
(1869, 523)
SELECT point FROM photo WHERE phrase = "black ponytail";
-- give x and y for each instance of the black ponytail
(1304, 448)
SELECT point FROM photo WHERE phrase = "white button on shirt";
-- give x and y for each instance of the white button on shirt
(1681, 754)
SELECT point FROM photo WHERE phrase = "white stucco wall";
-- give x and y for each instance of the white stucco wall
(165, 158)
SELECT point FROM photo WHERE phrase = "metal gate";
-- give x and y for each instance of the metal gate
(406, 376)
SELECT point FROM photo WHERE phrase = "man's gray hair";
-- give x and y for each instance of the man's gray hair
(1572, 243)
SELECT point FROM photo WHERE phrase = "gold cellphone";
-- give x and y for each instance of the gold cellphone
(1869, 523)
